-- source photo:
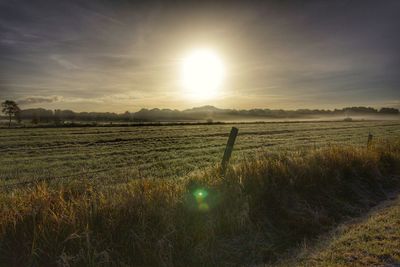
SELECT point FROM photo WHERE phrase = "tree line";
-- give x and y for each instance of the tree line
(39, 115)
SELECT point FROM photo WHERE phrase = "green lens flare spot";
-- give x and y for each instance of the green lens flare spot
(200, 194)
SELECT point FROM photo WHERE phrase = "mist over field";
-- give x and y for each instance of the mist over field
(205, 114)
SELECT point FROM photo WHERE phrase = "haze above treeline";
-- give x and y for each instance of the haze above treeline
(204, 113)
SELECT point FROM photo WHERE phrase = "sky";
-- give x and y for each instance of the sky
(126, 55)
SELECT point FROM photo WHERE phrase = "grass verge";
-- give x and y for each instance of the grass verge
(372, 240)
(264, 206)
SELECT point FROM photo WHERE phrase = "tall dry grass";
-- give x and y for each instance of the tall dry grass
(264, 205)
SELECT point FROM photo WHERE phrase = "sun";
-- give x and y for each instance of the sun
(202, 74)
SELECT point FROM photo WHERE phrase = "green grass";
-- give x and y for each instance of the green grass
(266, 205)
(372, 240)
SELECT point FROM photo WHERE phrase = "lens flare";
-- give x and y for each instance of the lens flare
(200, 195)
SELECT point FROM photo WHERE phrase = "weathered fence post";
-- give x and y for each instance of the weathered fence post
(369, 142)
(228, 149)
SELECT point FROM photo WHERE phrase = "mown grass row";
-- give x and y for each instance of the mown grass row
(52, 152)
(265, 205)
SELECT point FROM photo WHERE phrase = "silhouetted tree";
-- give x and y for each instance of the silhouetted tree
(18, 117)
(127, 116)
(35, 119)
(57, 117)
(389, 111)
(10, 108)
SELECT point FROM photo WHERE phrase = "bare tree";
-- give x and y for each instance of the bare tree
(10, 108)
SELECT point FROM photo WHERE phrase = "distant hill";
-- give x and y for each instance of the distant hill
(204, 109)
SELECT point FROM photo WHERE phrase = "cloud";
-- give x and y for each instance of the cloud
(63, 62)
(38, 100)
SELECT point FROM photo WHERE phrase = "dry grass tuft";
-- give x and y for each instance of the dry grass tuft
(263, 206)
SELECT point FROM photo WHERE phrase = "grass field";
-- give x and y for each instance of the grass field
(371, 240)
(289, 182)
(118, 154)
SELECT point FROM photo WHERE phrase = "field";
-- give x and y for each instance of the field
(371, 240)
(154, 196)
(118, 154)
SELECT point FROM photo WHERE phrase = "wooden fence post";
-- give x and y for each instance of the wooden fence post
(228, 150)
(369, 142)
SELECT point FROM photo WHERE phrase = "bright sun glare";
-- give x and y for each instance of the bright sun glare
(202, 74)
